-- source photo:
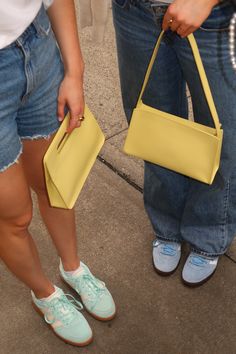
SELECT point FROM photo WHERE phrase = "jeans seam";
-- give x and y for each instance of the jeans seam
(225, 214)
(224, 227)
(225, 29)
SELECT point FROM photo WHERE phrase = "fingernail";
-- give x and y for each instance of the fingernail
(60, 119)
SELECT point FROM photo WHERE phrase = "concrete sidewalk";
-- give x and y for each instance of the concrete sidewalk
(156, 315)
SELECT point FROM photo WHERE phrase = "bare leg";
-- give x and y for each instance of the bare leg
(60, 222)
(17, 248)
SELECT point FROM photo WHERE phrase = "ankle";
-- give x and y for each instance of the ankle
(44, 292)
(70, 265)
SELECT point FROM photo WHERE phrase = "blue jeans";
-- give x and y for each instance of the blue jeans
(180, 208)
(31, 71)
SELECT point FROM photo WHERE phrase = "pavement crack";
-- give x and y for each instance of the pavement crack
(120, 132)
(120, 174)
(230, 258)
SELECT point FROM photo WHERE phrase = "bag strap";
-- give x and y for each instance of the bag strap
(202, 74)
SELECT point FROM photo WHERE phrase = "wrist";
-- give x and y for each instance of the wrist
(74, 69)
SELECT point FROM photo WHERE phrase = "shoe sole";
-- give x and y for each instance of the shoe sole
(83, 344)
(195, 285)
(164, 274)
(92, 314)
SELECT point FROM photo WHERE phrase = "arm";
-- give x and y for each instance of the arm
(187, 15)
(63, 20)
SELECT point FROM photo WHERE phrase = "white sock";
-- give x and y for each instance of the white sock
(48, 298)
(73, 272)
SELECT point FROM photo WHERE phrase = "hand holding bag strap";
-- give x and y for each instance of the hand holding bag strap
(202, 74)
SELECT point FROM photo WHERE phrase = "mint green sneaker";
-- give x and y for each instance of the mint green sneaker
(62, 315)
(95, 296)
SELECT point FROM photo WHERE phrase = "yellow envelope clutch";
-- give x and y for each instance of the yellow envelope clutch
(69, 160)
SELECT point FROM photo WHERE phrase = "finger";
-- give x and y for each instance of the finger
(61, 109)
(166, 21)
(174, 26)
(75, 122)
(181, 29)
(188, 31)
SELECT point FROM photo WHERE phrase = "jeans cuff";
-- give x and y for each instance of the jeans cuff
(207, 254)
(170, 238)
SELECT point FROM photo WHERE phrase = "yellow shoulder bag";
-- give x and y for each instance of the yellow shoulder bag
(178, 144)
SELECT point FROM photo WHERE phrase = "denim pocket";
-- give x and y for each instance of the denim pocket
(42, 23)
(219, 19)
(45, 26)
(120, 3)
(45, 30)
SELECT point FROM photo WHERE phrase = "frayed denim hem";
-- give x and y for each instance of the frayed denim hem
(39, 136)
(16, 160)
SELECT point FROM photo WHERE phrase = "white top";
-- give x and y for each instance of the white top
(16, 16)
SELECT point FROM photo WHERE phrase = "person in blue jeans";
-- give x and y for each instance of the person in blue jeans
(180, 208)
(38, 84)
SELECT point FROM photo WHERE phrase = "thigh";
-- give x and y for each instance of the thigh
(15, 199)
(12, 84)
(34, 151)
(213, 43)
(37, 116)
(137, 31)
(208, 223)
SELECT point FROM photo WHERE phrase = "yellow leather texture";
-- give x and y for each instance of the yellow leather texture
(69, 160)
(173, 142)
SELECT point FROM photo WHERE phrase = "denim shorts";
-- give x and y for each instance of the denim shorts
(31, 71)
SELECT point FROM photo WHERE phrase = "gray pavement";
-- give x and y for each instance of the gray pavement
(156, 315)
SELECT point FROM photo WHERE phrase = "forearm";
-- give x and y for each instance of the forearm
(63, 20)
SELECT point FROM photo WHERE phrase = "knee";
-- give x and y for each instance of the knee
(18, 223)
(23, 221)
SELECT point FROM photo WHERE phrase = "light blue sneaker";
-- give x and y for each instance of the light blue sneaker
(62, 315)
(95, 296)
(166, 256)
(198, 269)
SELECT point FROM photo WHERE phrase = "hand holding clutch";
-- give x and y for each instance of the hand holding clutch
(69, 160)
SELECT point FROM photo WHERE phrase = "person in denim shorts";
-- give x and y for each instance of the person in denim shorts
(36, 90)
(180, 208)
